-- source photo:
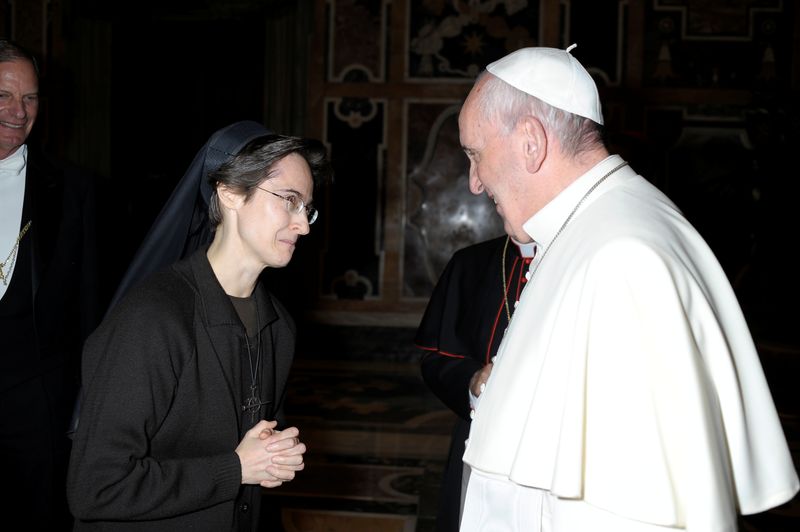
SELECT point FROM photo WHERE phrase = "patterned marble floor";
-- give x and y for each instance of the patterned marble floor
(377, 440)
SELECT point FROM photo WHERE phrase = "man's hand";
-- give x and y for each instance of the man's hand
(478, 381)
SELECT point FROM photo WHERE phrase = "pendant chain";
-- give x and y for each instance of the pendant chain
(505, 285)
(253, 403)
(558, 233)
(8, 264)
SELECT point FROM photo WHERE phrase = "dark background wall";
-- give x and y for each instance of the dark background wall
(700, 95)
(131, 91)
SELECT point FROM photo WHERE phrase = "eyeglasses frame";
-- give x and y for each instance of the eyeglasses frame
(311, 212)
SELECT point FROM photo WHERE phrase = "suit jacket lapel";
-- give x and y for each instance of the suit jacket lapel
(43, 197)
(222, 325)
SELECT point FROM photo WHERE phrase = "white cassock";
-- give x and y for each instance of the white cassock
(627, 393)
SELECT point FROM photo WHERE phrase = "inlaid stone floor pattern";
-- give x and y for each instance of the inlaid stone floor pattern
(377, 441)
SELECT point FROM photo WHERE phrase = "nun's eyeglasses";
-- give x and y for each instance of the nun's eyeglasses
(295, 205)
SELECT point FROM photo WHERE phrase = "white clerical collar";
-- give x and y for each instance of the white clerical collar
(14, 163)
(544, 225)
(526, 250)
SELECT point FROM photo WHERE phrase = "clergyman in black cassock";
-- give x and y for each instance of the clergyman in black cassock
(460, 332)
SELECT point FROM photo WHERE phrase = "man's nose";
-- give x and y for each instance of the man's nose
(18, 109)
(475, 185)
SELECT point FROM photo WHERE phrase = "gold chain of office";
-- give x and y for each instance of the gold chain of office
(7, 265)
(505, 286)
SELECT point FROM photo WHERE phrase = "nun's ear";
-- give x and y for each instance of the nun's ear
(228, 197)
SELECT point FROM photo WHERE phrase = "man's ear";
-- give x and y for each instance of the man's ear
(229, 198)
(534, 143)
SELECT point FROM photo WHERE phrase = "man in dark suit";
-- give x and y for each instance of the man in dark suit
(47, 303)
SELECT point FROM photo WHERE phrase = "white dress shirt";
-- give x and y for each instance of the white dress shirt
(12, 195)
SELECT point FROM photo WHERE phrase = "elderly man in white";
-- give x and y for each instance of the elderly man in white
(627, 395)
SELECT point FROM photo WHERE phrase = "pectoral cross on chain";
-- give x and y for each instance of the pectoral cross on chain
(253, 404)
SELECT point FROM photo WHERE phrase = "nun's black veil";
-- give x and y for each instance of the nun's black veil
(182, 225)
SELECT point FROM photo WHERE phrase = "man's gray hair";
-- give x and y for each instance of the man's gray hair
(505, 105)
(11, 51)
